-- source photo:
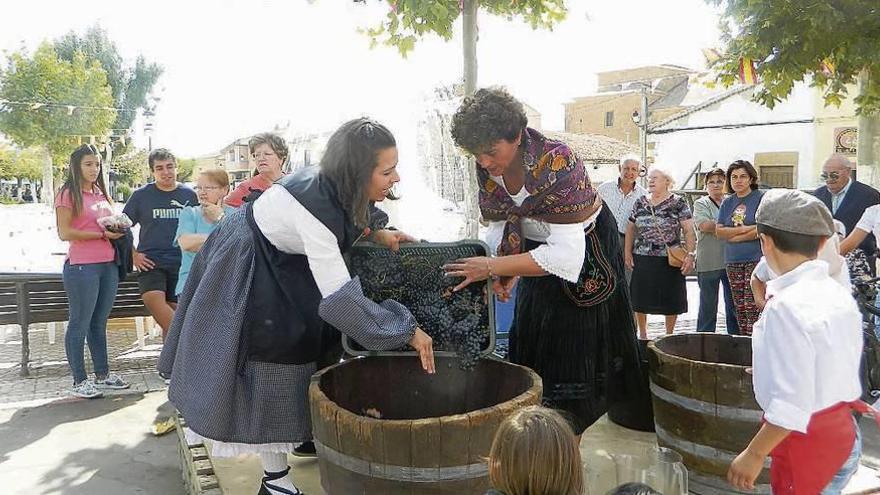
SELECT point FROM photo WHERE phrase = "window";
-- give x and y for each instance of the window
(609, 119)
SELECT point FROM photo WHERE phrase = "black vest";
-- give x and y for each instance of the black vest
(281, 322)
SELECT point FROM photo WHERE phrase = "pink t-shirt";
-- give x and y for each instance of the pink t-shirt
(95, 206)
(257, 183)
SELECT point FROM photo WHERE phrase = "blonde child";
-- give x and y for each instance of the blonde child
(535, 452)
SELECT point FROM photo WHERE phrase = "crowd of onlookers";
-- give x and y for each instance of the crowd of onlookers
(174, 221)
(716, 238)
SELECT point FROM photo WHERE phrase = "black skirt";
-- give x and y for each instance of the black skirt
(657, 288)
(587, 357)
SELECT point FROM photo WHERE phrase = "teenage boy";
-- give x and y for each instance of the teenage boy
(156, 207)
(806, 349)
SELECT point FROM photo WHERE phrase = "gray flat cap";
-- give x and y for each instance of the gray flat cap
(795, 211)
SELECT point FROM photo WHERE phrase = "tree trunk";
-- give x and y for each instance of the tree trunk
(469, 35)
(48, 178)
(869, 138)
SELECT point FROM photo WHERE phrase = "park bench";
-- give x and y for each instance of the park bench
(27, 298)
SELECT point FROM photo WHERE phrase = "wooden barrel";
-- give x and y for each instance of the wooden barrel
(383, 426)
(704, 406)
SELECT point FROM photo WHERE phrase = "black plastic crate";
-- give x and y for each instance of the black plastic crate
(414, 275)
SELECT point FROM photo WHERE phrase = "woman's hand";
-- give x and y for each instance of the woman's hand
(424, 345)
(473, 270)
(391, 238)
(503, 286)
(628, 260)
(745, 470)
(688, 265)
(112, 236)
(213, 212)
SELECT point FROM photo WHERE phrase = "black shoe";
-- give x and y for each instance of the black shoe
(306, 449)
(267, 488)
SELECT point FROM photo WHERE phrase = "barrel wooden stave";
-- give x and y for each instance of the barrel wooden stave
(706, 411)
(442, 454)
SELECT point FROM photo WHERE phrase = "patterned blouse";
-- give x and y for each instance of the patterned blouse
(658, 226)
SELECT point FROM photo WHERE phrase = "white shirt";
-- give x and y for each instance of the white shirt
(292, 229)
(563, 253)
(620, 204)
(806, 347)
(870, 221)
(837, 268)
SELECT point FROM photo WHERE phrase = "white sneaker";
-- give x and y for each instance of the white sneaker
(111, 381)
(86, 389)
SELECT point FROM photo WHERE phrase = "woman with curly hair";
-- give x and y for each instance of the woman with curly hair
(573, 322)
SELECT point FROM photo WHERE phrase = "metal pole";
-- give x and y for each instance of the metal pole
(643, 135)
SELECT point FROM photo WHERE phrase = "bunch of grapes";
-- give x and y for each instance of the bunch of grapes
(457, 321)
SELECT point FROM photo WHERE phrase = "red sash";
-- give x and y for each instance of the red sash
(804, 464)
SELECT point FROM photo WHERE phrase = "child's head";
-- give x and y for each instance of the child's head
(792, 223)
(535, 452)
(634, 489)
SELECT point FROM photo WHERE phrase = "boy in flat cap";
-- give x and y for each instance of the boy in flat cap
(806, 349)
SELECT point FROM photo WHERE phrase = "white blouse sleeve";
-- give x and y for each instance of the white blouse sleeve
(292, 229)
(563, 255)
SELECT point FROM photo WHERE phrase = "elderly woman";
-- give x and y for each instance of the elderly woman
(270, 153)
(573, 322)
(653, 249)
(196, 222)
(249, 329)
(742, 252)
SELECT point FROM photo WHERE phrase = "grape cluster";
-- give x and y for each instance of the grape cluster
(457, 321)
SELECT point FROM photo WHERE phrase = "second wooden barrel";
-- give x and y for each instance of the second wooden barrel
(383, 426)
(704, 405)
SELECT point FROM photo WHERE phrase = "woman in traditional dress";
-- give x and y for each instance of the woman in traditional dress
(248, 332)
(573, 322)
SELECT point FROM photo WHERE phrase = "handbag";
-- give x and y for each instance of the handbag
(675, 255)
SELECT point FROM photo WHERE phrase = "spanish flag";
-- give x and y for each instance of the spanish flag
(747, 73)
(827, 67)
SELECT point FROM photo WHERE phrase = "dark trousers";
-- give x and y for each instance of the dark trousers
(708, 313)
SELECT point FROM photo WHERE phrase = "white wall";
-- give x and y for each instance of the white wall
(681, 150)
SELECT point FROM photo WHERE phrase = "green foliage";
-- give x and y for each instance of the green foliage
(125, 190)
(132, 168)
(185, 168)
(409, 20)
(790, 40)
(129, 85)
(44, 77)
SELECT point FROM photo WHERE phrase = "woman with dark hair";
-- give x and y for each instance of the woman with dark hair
(90, 274)
(270, 153)
(250, 326)
(742, 251)
(573, 322)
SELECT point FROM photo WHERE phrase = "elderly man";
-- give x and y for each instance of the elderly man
(621, 195)
(848, 199)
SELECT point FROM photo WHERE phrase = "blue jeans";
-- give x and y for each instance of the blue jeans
(708, 313)
(838, 483)
(91, 290)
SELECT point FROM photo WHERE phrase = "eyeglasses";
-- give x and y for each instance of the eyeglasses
(265, 154)
(719, 182)
(829, 175)
(207, 188)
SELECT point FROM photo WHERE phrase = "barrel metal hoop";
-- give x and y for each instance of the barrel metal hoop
(400, 473)
(698, 450)
(703, 407)
(712, 485)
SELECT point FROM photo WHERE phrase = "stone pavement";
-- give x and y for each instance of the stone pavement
(50, 375)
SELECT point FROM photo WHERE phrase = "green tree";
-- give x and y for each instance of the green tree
(185, 169)
(132, 168)
(70, 98)
(130, 85)
(834, 44)
(407, 21)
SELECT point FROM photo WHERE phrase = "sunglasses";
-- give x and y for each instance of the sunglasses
(829, 175)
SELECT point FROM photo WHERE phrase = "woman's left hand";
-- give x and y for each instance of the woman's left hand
(473, 270)
(391, 238)
(688, 265)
